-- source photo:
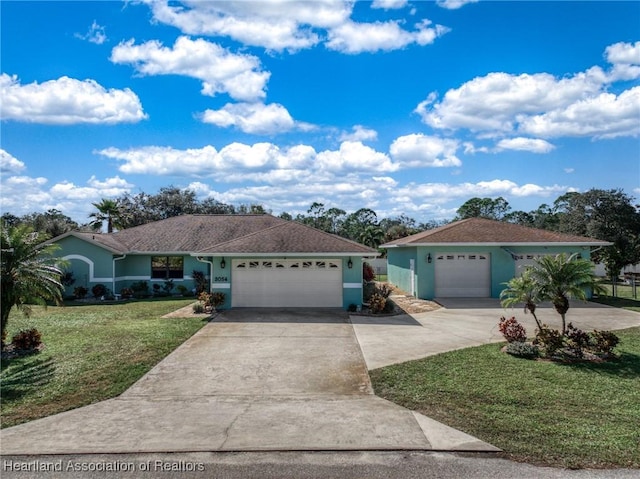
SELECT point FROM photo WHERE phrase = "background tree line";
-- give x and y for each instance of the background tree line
(608, 215)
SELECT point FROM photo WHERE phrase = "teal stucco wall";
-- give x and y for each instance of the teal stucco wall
(502, 264)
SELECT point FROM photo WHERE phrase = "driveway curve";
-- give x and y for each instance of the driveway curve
(250, 380)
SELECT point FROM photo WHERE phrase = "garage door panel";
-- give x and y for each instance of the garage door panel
(287, 283)
(463, 275)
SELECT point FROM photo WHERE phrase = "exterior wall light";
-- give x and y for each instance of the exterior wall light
(349, 264)
(429, 258)
(223, 263)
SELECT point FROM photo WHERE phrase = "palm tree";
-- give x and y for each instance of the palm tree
(522, 289)
(372, 236)
(29, 273)
(558, 278)
(109, 211)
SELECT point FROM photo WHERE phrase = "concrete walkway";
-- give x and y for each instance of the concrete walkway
(251, 380)
(466, 322)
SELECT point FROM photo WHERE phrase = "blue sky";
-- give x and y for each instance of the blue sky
(404, 107)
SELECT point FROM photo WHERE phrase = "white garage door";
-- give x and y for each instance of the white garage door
(286, 283)
(463, 275)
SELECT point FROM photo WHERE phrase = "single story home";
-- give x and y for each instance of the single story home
(256, 260)
(473, 257)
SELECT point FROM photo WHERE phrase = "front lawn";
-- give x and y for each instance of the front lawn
(624, 297)
(92, 352)
(571, 415)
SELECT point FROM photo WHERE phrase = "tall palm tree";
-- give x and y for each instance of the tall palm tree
(372, 236)
(522, 289)
(109, 211)
(558, 278)
(29, 273)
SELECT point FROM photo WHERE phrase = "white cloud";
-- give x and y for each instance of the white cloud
(9, 164)
(354, 156)
(159, 160)
(359, 133)
(96, 34)
(543, 105)
(255, 118)
(534, 145)
(418, 150)
(22, 195)
(67, 101)
(625, 58)
(292, 26)
(453, 4)
(493, 102)
(221, 71)
(273, 25)
(623, 53)
(569, 170)
(352, 37)
(236, 160)
(389, 4)
(602, 116)
(412, 195)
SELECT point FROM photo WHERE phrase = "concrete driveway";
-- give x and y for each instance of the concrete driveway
(250, 380)
(466, 322)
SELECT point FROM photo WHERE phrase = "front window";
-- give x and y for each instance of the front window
(167, 267)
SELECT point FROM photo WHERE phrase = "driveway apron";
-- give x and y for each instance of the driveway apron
(250, 380)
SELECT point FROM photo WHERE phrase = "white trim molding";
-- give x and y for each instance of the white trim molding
(92, 278)
(221, 285)
(352, 285)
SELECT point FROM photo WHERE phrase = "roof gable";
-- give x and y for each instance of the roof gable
(290, 237)
(486, 231)
(223, 234)
(190, 233)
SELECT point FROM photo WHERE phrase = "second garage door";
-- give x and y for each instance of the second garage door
(463, 275)
(286, 283)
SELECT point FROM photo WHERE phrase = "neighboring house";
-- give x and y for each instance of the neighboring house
(473, 257)
(256, 260)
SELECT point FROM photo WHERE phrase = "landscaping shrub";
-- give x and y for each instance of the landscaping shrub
(367, 272)
(383, 290)
(377, 303)
(198, 308)
(576, 341)
(126, 293)
(512, 330)
(368, 290)
(200, 280)
(217, 299)
(549, 339)
(603, 342)
(27, 339)
(522, 350)
(67, 278)
(167, 286)
(80, 292)
(99, 290)
(352, 308)
(388, 307)
(140, 289)
(182, 289)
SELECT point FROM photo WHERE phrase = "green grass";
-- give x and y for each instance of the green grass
(624, 297)
(92, 352)
(571, 415)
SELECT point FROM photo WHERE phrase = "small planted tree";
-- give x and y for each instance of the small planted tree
(29, 272)
(561, 277)
(524, 290)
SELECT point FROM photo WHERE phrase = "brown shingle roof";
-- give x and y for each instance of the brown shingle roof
(483, 231)
(290, 237)
(209, 234)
